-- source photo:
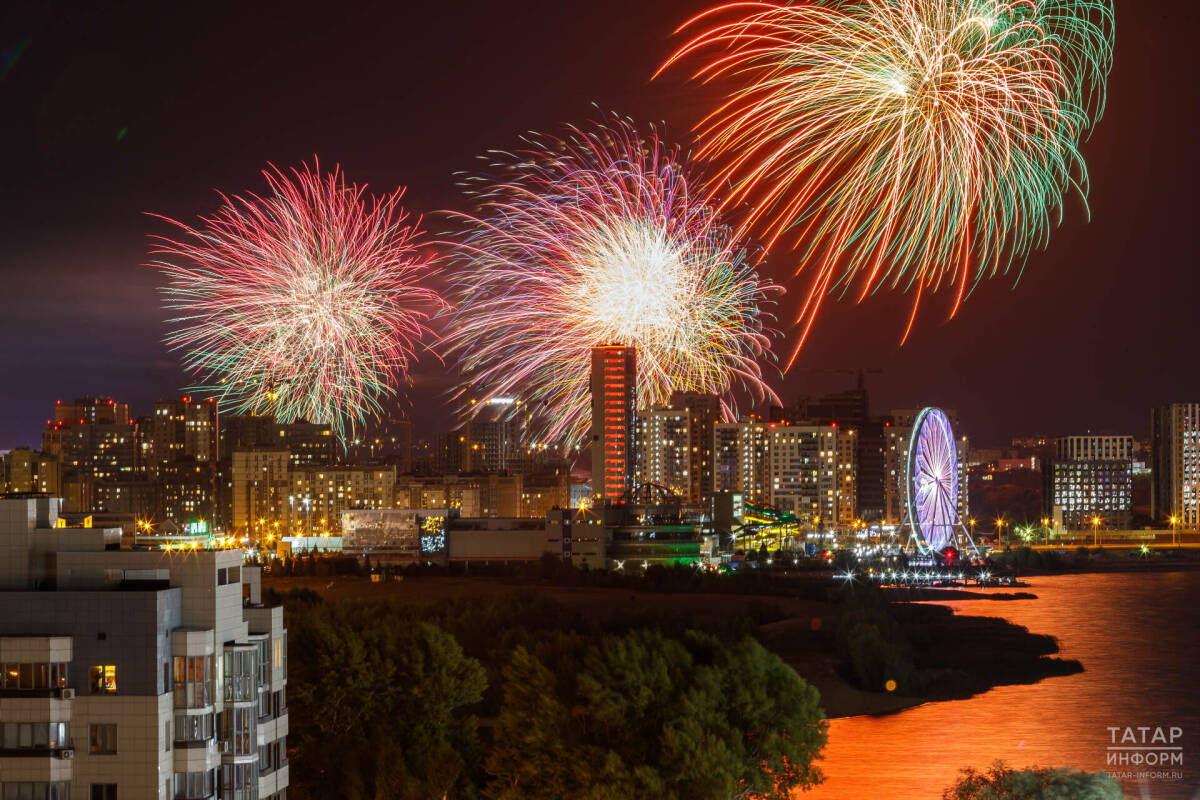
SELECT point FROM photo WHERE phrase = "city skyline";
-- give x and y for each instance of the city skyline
(1058, 355)
(541, 400)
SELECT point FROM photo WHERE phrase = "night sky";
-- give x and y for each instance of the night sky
(111, 110)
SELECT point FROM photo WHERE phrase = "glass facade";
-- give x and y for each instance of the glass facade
(239, 781)
(193, 730)
(51, 675)
(195, 785)
(238, 731)
(241, 674)
(35, 735)
(194, 679)
(42, 790)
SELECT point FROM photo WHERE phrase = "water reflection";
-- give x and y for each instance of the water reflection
(1136, 635)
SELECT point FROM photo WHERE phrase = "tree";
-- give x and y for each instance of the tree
(385, 702)
(643, 715)
(1001, 782)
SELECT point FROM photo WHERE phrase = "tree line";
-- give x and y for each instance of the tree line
(517, 698)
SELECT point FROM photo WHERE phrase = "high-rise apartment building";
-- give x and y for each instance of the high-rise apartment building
(186, 427)
(138, 497)
(850, 411)
(308, 443)
(804, 472)
(92, 410)
(387, 440)
(186, 491)
(847, 477)
(260, 489)
(740, 459)
(614, 408)
(134, 674)
(703, 413)
(1175, 461)
(489, 439)
(1089, 483)
(95, 442)
(322, 493)
(663, 443)
(871, 505)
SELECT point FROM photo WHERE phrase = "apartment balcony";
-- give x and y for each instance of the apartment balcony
(194, 756)
(49, 765)
(273, 782)
(51, 705)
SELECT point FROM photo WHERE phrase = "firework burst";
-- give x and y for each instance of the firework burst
(304, 302)
(911, 144)
(596, 238)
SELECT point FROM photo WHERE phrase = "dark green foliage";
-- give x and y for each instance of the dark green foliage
(1026, 558)
(380, 710)
(1001, 782)
(384, 703)
(870, 643)
(642, 715)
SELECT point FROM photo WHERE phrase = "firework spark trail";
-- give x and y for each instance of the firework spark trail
(306, 302)
(596, 238)
(909, 144)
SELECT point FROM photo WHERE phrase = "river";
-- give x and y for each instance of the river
(1138, 637)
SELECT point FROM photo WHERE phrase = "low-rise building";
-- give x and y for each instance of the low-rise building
(440, 535)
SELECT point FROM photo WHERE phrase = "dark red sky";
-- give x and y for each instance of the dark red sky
(1101, 326)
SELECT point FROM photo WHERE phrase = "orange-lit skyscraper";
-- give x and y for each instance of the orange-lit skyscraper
(614, 409)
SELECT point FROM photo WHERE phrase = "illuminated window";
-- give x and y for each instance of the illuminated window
(104, 679)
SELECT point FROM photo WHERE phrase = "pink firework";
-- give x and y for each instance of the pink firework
(307, 302)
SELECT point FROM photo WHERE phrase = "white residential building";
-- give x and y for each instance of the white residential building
(804, 467)
(134, 673)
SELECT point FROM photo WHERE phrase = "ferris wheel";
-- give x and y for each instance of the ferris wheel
(931, 482)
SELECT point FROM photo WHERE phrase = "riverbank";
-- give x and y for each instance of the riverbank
(955, 656)
(1083, 560)
(1137, 635)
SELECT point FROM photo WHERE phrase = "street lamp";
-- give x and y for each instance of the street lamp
(1000, 530)
(1174, 533)
(1095, 531)
(1046, 528)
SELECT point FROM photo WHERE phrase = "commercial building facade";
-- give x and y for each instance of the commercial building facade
(1089, 482)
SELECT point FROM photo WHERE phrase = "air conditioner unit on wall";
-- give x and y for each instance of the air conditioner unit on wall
(66, 694)
(66, 754)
